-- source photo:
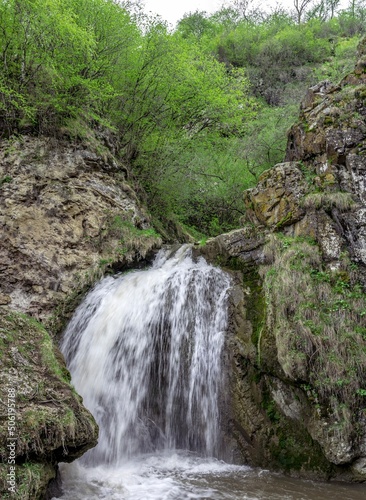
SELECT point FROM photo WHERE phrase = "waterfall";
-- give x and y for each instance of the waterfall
(144, 350)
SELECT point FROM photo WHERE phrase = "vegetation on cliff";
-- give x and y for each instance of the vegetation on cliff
(301, 346)
(197, 114)
(320, 327)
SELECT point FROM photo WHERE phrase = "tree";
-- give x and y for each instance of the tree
(332, 5)
(353, 19)
(323, 10)
(42, 46)
(300, 8)
(227, 17)
(243, 8)
(194, 24)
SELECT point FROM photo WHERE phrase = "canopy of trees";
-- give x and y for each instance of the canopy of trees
(198, 113)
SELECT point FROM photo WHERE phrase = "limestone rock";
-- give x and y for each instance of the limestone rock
(65, 217)
(275, 201)
(330, 140)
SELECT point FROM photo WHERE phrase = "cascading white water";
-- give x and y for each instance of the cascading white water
(144, 350)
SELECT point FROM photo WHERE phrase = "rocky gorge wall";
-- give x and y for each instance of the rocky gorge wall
(298, 307)
(67, 215)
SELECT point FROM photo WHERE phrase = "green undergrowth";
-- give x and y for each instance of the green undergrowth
(341, 62)
(131, 237)
(50, 423)
(129, 243)
(36, 370)
(318, 316)
(28, 342)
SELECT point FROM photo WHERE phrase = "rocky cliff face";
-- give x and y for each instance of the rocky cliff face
(298, 307)
(67, 216)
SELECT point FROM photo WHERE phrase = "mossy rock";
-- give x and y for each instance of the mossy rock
(31, 481)
(44, 421)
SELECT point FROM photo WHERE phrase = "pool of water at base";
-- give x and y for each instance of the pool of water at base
(185, 476)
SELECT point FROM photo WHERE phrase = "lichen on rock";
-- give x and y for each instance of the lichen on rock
(275, 201)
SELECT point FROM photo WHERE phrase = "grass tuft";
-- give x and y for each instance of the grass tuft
(341, 200)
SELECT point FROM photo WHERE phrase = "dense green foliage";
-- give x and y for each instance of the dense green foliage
(196, 114)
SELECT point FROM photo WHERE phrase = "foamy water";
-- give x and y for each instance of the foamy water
(186, 476)
(145, 352)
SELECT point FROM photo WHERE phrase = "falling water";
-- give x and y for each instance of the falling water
(144, 350)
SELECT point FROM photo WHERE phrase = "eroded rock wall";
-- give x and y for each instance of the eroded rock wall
(66, 215)
(299, 305)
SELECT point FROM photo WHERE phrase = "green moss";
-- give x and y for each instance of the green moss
(270, 407)
(255, 303)
(308, 172)
(328, 120)
(5, 180)
(32, 333)
(49, 416)
(31, 481)
(256, 309)
(295, 450)
(290, 446)
(50, 360)
(305, 126)
(284, 220)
